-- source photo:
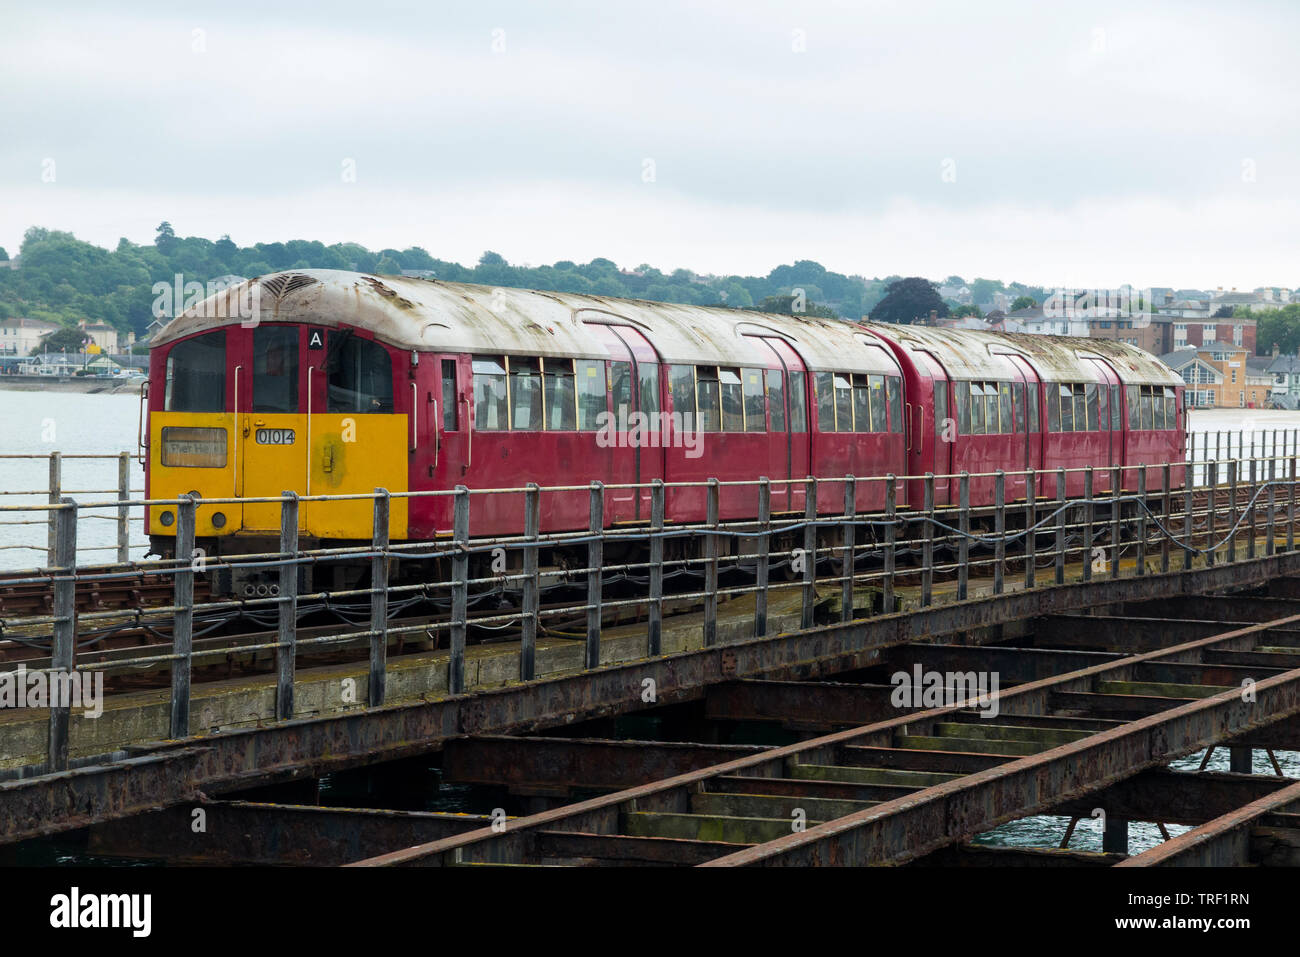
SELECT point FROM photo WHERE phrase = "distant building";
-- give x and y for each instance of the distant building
(1219, 376)
(101, 334)
(18, 337)
(1285, 371)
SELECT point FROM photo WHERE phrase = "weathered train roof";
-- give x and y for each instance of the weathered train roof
(974, 354)
(459, 317)
(433, 315)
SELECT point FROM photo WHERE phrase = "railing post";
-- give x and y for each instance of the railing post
(1211, 514)
(63, 649)
(1232, 511)
(595, 564)
(1060, 527)
(1031, 518)
(1290, 502)
(963, 540)
(183, 619)
(459, 592)
(379, 600)
(1089, 514)
(531, 584)
(999, 529)
(761, 555)
(1142, 520)
(1271, 529)
(56, 494)
(927, 550)
(123, 511)
(712, 511)
(286, 651)
(1166, 512)
(654, 630)
(1117, 509)
(809, 554)
(1254, 491)
(1188, 542)
(847, 609)
(891, 511)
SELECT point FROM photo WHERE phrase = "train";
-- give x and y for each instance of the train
(343, 382)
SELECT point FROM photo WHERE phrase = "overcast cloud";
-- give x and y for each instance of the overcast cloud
(1086, 144)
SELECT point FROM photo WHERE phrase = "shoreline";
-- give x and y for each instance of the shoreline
(84, 385)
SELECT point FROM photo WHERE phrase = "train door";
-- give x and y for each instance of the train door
(788, 446)
(1030, 420)
(638, 447)
(936, 455)
(1111, 451)
(448, 444)
(272, 427)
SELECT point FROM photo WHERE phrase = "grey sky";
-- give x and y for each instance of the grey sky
(1083, 144)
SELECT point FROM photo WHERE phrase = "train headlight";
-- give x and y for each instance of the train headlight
(166, 518)
(218, 519)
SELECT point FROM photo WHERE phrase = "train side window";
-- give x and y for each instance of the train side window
(1103, 406)
(979, 418)
(861, 404)
(360, 376)
(620, 393)
(1171, 410)
(275, 369)
(1004, 407)
(940, 406)
(962, 391)
(991, 408)
(776, 399)
(1134, 414)
(490, 394)
(825, 383)
(1080, 408)
(1090, 398)
(755, 414)
(681, 384)
(196, 374)
(798, 411)
(592, 403)
(1018, 406)
(1146, 407)
(733, 403)
(525, 393)
(648, 391)
(1116, 413)
(894, 390)
(559, 397)
(1067, 407)
(1052, 395)
(876, 384)
(706, 395)
(843, 402)
(450, 408)
(1032, 395)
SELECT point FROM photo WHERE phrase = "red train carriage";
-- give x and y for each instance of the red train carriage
(343, 382)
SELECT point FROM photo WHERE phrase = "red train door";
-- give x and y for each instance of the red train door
(448, 460)
(634, 384)
(789, 454)
(920, 460)
(1113, 445)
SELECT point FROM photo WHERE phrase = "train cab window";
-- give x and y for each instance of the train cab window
(490, 394)
(733, 406)
(1018, 405)
(681, 385)
(449, 410)
(707, 399)
(894, 393)
(525, 393)
(360, 376)
(776, 399)
(1116, 413)
(620, 392)
(647, 389)
(559, 398)
(196, 374)
(940, 406)
(275, 369)
(798, 409)
(592, 402)
(755, 407)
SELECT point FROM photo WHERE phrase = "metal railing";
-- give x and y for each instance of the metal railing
(1141, 519)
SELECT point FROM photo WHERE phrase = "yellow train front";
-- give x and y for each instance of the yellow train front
(248, 400)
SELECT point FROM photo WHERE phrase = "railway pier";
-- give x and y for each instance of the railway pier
(1094, 682)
